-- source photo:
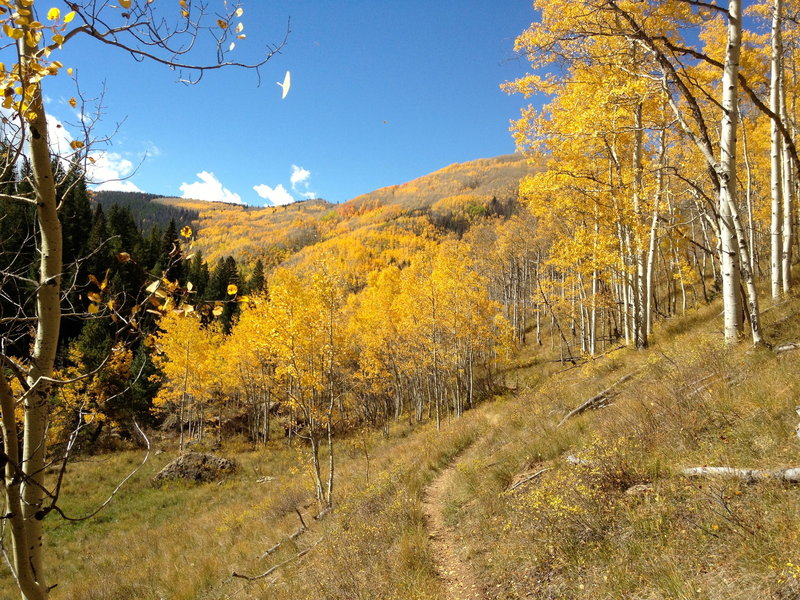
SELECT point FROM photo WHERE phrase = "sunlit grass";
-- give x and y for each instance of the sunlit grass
(572, 532)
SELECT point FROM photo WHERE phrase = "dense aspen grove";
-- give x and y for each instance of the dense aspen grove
(669, 141)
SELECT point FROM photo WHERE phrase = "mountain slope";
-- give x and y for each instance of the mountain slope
(446, 198)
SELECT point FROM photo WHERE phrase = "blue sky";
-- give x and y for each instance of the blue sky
(382, 92)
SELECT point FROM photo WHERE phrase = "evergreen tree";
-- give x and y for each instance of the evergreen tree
(257, 279)
(100, 258)
(149, 252)
(198, 274)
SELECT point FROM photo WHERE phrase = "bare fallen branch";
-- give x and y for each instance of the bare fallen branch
(300, 531)
(791, 475)
(274, 568)
(528, 478)
(598, 400)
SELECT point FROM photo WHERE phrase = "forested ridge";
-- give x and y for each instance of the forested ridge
(574, 366)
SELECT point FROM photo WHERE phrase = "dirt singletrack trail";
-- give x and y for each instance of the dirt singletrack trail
(460, 581)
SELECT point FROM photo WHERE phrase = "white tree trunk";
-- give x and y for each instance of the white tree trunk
(731, 280)
(776, 152)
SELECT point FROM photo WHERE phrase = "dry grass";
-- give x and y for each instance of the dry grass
(571, 533)
(574, 532)
(183, 541)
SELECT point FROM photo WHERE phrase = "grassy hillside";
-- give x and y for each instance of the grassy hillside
(618, 520)
(447, 199)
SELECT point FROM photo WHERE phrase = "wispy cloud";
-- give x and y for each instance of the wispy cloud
(209, 188)
(108, 170)
(277, 196)
(300, 180)
(105, 171)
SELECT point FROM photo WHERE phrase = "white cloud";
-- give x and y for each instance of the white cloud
(277, 196)
(117, 186)
(209, 188)
(151, 150)
(59, 137)
(105, 171)
(299, 174)
(109, 170)
(300, 182)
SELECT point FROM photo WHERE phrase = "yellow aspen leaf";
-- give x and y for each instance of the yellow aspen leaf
(70, 71)
(222, 24)
(94, 297)
(123, 257)
(53, 14)
(182, 3)
(239, 27)
(185, 13)
(186, 232)
(189, 286)
(73, 103)
(232, 46)
(58, 39)
(93, 309)
(94, 280)
(76, 144)
(150, 289)
(32, 40)
(112, 304)
(125, 3)
(241, 36)
(69, 16)
(232, 289)
(239, 12)
(217, 311)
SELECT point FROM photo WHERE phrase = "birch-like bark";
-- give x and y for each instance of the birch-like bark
(651, 250)
(776, 151)
(748, 198)
(789, 183)
(639, 255)
(731, 277)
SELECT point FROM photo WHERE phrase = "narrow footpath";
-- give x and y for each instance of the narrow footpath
(458, 577)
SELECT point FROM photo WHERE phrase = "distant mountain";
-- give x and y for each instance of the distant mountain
(145, 211)
(448, 199)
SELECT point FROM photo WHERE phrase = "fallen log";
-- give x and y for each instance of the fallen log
(791, 475)
(788, 347)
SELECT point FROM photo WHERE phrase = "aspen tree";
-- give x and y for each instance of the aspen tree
(33, 33)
